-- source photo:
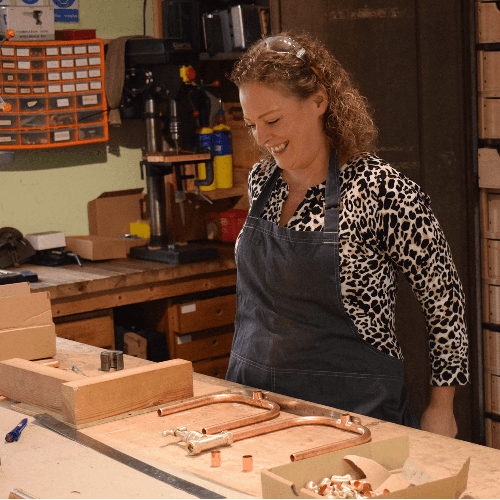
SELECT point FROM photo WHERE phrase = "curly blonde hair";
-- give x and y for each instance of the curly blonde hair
(348, 122)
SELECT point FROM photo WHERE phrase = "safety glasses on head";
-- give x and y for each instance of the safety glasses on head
(286, 45)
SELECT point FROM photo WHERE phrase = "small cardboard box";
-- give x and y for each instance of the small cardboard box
(97, 247)
(112, 212)
(29, 23)
(47, 240)
(288, 481)
(26, 327)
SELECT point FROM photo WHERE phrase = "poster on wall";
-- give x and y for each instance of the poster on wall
(4, 2)
(30, 2)
(65, 11)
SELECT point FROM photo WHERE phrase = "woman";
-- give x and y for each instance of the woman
(329, 226)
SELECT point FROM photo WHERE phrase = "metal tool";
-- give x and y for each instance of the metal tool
(14, 434)
(174, 481)
(77, 370)
(111, 360)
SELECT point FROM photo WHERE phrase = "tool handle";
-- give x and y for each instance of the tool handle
(14, 434)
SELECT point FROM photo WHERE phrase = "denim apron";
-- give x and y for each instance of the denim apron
(292, 333)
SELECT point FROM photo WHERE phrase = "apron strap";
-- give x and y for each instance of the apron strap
(260, 203)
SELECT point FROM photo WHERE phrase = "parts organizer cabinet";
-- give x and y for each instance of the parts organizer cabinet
(53, 94)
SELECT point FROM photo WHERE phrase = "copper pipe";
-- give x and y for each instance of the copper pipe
(196, 446)
(247, 463)
(257, 401)
(215, 458)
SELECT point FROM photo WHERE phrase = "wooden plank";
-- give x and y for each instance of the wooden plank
(34, 342)
(33, 383)
(25, 310)
(128, 390)
(14, 289)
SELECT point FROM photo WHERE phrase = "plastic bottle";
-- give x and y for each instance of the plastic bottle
(222, 153)
(205, 135)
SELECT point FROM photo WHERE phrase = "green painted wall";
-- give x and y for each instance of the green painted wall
(49, 189)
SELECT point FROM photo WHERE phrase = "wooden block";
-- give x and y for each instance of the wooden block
(15, 289)
(35, 342)
(135, 345)
(25, 310)
(127, 390)
(33, 383)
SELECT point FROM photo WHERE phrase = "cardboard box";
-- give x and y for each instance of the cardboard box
(47, 240)
(29, 23)
(26, 327)
(97, 247)
(288, 481)
(112, 212)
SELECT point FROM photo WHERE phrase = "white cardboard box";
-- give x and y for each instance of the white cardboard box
(47, 240)
(30, 23)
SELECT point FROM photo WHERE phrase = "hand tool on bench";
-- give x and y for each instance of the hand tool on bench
(14, 434)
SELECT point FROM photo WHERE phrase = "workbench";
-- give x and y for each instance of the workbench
(85, 301)
(139, 435)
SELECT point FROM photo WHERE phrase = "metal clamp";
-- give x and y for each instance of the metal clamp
(111, 360)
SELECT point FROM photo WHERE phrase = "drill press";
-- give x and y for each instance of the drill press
(154, 63)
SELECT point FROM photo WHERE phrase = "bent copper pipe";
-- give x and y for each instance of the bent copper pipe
(197, 445)
(257, 400)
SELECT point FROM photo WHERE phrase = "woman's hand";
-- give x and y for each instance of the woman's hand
(438, 417)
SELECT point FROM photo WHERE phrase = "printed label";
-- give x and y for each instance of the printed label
(95, 85)
(53, 76)
(188, 308)
(24, 64)
(184, 339)
(68, 75)
(23, 52)
(5, 123)
(69, 87)
(82, 87)
(6, 138)
(54, 88)
(10, 78)
(88, 100)
(94, 73)
(65, 51)
(38, 90)
(82, 74)
(8, 65)
(80, 49)
(9, 90)
(8, 51)
(53, 64)
(62, 136)
(81, 62)
(67, 63)
(63, 103)
(94, 49)
(24, 90)
(52, 51)
(94, 61)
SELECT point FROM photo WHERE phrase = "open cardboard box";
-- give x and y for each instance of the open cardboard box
(403, 477)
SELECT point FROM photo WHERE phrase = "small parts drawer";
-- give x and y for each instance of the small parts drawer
(204, 345)
(212, 367)
(203, 314)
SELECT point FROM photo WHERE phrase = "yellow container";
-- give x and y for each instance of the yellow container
(205, 138)
(223, 159)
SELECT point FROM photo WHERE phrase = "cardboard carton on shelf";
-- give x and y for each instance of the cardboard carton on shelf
(97, 247)
(403, 477)
(26, 327)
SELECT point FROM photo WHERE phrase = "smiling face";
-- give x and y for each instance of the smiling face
(289, 128)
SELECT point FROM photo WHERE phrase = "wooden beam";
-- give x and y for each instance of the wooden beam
(33, 383)
(127, 390)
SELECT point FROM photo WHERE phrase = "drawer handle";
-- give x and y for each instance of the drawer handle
(219, 312)
(215, 342)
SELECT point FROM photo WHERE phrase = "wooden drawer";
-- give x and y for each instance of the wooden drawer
(488, 69)
(492, 433)
(489, 115)
(203, 345)
(490, 213)
(492, 391)
(491, 303)
(489, 167)
(202, 314)
(488, 22)
(490, 250)
(491, 350)
(94, 328)
(212, 367)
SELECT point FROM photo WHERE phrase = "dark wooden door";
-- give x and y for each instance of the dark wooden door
(414, 62)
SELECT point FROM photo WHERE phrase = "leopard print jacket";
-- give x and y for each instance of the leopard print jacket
(386, 225)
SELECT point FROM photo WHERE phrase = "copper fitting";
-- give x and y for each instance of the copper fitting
(216, 458)
(197, 445)
(257, 400)
(247, 463)
(183, 433)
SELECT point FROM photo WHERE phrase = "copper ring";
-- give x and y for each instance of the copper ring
(247, 463)
(215, 458)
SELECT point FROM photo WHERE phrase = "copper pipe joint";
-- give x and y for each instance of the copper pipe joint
(216, 458)
(247, 463)
(257, 400)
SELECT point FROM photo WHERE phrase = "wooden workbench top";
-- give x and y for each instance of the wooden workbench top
(139, 436)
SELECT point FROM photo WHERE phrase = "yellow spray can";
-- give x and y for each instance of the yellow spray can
(222, 153)
(205, 143)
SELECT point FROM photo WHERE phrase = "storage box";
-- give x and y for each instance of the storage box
(490, 213)
(488, 22)
(489, 115)
(231, 223)
(488, 64)
(47, 240)
(489, 166)
(288, 481)
(112, 212)
(26, 327)
(97, 247)
(492, 433)
(29, 23)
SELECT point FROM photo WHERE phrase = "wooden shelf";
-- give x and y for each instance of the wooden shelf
(220, 194)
